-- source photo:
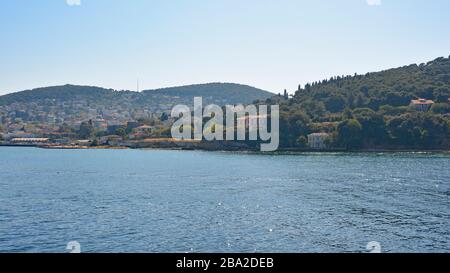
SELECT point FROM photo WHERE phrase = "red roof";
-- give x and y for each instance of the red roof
(422, 101)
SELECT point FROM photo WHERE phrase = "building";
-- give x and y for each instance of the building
(100, 125)
(83, 142)
(29, 140)
(144, 129)
(318, 140)
(18, 135)
(111, 140)
(131, 125)
(113, 127)
(252, 121)
(422, 105)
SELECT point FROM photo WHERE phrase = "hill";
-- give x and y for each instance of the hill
(394, 87)
(372, 110)
(220, 93)
(70, 104)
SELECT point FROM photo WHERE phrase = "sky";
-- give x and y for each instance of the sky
(273, 45)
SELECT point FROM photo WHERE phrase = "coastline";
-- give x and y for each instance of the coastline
(243, 150)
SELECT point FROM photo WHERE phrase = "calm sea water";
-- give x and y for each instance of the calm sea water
(192, 201)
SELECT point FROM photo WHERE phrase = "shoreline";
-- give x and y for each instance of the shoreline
(287, 151)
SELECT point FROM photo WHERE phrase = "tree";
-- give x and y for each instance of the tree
(335, 104)
(302, 142)
(360, 101)
(388, 110)
(373, 125)
(347, 113)
(351, 100)
(164, 116)
(350, 134)
(440, 108)
(419, 130)
(65, 128)
(397, 98)
(94, 143)
(86, 130)
(298, 123)
(313, 108)
(121, 132)
(442, 94)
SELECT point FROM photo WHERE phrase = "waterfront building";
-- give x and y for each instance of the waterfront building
(318, 140)
(144, 129)
(29, 140)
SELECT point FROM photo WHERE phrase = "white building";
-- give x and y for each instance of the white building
(318, 140)
(30, 140)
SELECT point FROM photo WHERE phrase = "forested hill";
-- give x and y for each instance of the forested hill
(372, 111)
(220, 93)
(65, 92)
(228, 93)
(394, 87)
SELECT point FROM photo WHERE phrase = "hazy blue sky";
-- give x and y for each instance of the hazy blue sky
(268, 44)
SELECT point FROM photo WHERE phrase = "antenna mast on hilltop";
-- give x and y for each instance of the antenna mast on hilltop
(138, 85)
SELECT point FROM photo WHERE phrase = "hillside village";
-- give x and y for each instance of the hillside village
(85, 116)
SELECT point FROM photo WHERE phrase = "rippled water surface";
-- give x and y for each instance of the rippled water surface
(191, 201)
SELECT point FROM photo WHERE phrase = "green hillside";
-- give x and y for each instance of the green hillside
(372, 110)
(221, 93)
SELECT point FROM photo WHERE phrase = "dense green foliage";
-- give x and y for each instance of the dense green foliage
(228, 93)
(372, 110)
(394, 87)
(223, 93)
(86, 130)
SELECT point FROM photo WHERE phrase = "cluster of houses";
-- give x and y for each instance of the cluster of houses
(108, 134)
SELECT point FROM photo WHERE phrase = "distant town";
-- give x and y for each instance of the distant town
(79, 117)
